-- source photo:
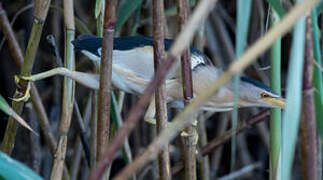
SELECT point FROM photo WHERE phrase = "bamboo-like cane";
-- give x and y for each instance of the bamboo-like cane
(160, 93)
(68, 91)
(308, 122)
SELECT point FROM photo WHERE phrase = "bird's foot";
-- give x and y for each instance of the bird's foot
(26, 94)
(153, 121)
(193, 134)
(194, 123)
(150, 120)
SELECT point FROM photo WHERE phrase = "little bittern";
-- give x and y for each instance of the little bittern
(132, 69)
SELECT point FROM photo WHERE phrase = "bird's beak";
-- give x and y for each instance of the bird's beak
(276, 102)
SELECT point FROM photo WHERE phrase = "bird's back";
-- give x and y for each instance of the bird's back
(134, 53)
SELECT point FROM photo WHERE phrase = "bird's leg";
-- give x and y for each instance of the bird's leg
(86, 79)
(151, 112)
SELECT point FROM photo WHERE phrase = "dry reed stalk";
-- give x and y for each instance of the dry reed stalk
(203, 162)
(308, 122)
(68, 91)
(103, 128)
(160, 93)
(189, 134)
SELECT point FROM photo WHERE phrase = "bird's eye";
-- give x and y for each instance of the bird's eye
(264, 95)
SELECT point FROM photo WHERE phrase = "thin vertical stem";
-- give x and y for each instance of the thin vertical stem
(95, 104)
(77, 154)
(160, 93)
(203, 162)
(94, 130)
(105, 78)
(308, 122)
(189, 139)
(68, 91)
(275, 114)
(291, 114)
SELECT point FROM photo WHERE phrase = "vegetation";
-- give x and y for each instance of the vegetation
(72, 132)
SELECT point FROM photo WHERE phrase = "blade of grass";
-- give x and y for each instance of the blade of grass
(4, 106)
(243, 16)
(317, 76)
(12, 169)
(275, 114)
(291, 115)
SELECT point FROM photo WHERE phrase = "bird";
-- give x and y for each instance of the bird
(133, 68)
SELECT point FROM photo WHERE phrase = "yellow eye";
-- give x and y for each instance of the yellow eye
(264, 95)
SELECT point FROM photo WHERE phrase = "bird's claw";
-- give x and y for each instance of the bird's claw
(151, 121)
(26, 95)
(194, 123)
(193, 134)
(184, 134)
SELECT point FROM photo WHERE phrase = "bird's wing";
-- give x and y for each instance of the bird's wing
(140, 61)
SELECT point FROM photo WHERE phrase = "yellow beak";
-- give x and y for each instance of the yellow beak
(276, 102)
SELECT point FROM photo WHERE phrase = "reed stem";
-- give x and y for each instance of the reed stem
(160, 93)
(275, 114)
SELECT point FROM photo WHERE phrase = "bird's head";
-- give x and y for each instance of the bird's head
(254, 93)
(89, 45)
